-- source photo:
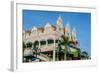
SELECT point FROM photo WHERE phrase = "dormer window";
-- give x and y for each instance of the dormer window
(34, 30)
(47, 28)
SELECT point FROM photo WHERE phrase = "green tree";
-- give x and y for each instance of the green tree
(65, 42)
(78, 52)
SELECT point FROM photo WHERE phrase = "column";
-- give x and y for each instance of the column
(39, 48)
(54, 53)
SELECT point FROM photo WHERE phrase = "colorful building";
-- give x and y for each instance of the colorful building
(48, 36)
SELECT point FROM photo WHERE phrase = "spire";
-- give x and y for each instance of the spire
(67, 27)
(59, 24)
(59, 18)
(59, 21)
(68, 30)
(34, 28)
(74, 33)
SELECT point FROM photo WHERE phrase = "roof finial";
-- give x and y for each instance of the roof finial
(74, 32)
(68, 27)
(34, 28)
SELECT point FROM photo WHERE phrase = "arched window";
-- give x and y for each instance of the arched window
(36, 43)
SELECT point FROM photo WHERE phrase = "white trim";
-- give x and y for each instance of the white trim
(13, 37)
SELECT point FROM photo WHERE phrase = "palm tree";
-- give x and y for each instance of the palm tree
(78, 51)
(64, 42)
(59, 52)
(67, 43)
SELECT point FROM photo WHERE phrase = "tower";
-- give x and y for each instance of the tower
(74, 34)
(59, 23)
(67, 30)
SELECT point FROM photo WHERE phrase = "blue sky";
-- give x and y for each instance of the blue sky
(80, 21)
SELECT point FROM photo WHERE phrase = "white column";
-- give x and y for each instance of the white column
(54, 53)
(46, 43)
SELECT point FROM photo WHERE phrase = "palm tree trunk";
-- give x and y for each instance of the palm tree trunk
(54, 55)
(65, 55)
